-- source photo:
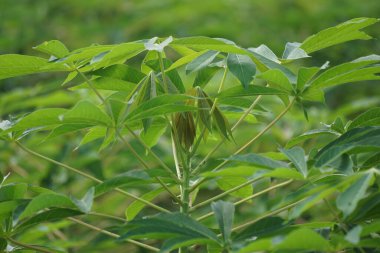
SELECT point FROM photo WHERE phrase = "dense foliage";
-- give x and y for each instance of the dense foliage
(179, 149)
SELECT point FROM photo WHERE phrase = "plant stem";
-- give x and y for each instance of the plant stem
(28, 246)
(250, 197)
(246, 145)
(236, 188)
(277, 211)
(90, 177)
(139, 158)
(106, 232)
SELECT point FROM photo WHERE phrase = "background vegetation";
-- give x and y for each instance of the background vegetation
(25, 24)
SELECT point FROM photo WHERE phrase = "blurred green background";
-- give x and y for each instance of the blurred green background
(79, 23)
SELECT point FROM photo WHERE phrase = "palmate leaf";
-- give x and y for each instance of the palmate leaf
(180, 229)
(347, 31)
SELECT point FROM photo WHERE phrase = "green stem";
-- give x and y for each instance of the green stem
(141, 160)
(106, 232)
(90, 177)
(28, 246)
(250, 197)
(246, 145)
(236, 188)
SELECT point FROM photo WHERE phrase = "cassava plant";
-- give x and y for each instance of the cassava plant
(193, 113)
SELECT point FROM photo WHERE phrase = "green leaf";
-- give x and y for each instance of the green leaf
(360, 69)
(303, 239)
(12, 65)
(108, 83)
(287, 173)
(258, 160)
(184, 60)
(304, 76)
(228, 183)
(120, 180)
(160, 106)
(355, 141)
(39, 118)
(204, 76)
(46, 200)
(154, 132)
(310, 134)
(277, 79)
(136, 206)
(53, 47)
(120, 71)
(348, 200)
(368, 118)
(224, 214)
(353, 236)
(176, 226)
(85, 112)
(85, 204)
(262, 228)
(242, 67)
(251, 90)
(293, 51)
(297, 156)
(7, 207)
(12, 191)
(47, 216)
(347, 31)
(3, 244)
(201, 61)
